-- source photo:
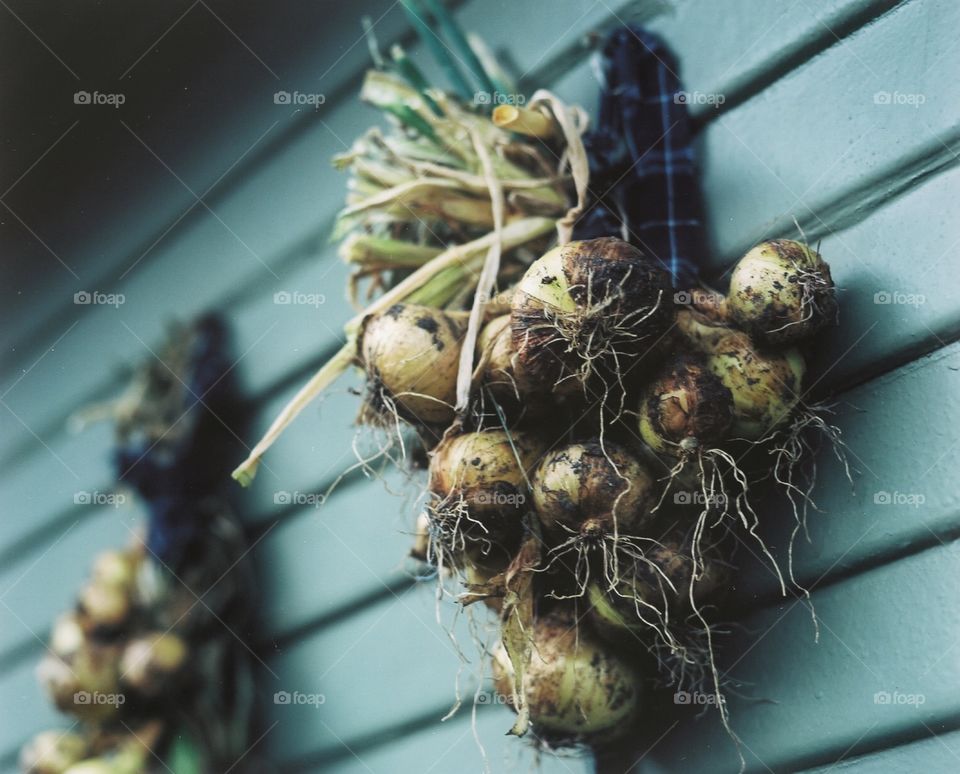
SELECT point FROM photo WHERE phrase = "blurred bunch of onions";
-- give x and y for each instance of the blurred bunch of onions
(112, 664)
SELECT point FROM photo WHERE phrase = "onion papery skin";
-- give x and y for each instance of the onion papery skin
(93, 668)
(617, 609)
(151, 661)
(484, 474)
(782, 292)
(410, 354)
(588, 307)
(699, 332)
(577, 688)
(593, 489)
(498, 377)
(53, 752)
(686, 407)
(766, 384)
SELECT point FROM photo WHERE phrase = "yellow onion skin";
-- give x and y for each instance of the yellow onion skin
(498, 375)
(699, 332)
(130, 758)
(483, 459)
(782, 292)
(593, 490)
(103, 608)
(52, 752)
(96, 766)
(687, 406)
(614, 611)
(94, 669)
(149, 662)
(68, 636)
(411, 353)
(576, 687)
(766, 384)
(482, 473)
(117, 569)
(580, 302)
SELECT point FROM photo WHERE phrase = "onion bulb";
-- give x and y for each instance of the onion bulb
(781, 292)
(130, 757)
(698, 331)
(766, 385)
(687, 406)
(67, 636)
(150, 661)
(52, 752)
(411, 354)
(117, 569)
(98, 766)
(495, 346)
(576, 687)
(655, 589)
(479, 481)
(592, 490)
(103, 607)
(587, 305)
(86, 685)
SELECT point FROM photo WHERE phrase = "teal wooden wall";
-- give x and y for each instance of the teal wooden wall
(800, 134)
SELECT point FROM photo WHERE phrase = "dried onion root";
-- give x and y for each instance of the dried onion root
(656, 603)
(585, 309)
(593, 500)
(479, 487)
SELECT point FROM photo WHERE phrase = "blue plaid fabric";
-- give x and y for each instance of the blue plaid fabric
(643, 179)
(185, 472)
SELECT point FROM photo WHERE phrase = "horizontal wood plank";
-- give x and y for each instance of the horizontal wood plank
(448, 746)
(900, 437)
(401, 641)
(889, 118)
(27, 710)
(939, 753)
(886, 665)
(46, 583)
